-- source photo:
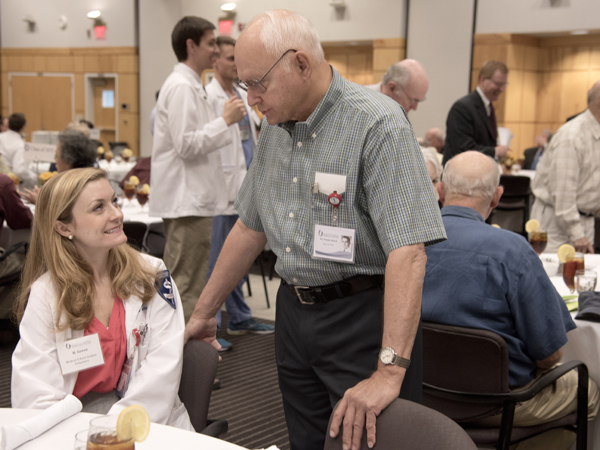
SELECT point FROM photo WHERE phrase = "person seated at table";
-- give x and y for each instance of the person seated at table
(17, 217)
(434, 168)
(81, 279)
(487, 278)
(73, 151)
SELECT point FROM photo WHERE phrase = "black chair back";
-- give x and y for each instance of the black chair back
(463, 359)
(136, 234)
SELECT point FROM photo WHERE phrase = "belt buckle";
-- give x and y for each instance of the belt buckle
(299, 295)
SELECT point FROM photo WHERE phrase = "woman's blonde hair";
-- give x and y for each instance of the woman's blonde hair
(71, 276)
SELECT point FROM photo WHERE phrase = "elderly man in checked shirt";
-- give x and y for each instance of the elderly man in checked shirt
(333, 317)
(567, 181)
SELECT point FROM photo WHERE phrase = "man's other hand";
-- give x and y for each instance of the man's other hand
(501, 151)
(583, 245)
(360, 407)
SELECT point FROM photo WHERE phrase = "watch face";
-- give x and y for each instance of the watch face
(386, 355)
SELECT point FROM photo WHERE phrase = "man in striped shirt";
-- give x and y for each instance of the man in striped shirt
(334, 160)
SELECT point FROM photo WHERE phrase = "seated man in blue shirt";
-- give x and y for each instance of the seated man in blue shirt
(487, 278)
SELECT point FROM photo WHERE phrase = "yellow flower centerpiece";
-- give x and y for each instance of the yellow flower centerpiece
(45, 176)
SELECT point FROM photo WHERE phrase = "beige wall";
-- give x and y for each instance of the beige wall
(120, 60)
(548, 80)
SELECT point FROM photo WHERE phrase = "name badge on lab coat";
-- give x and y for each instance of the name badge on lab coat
(80, 354)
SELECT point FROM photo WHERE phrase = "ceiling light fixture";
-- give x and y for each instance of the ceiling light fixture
(228, 6)
(94, 14)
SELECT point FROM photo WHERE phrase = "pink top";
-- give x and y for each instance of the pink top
(113, 341)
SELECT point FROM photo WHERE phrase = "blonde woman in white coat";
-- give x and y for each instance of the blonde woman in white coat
(81, 279)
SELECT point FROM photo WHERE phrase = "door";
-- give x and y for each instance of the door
(105, 108)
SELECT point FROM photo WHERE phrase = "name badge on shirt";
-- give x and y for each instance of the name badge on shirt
(80, 354)
(245, 132)
(334, 244)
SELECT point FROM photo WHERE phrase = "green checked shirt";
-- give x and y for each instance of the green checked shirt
(389, 197)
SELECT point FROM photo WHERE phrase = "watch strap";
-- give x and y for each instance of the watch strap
(401, 362)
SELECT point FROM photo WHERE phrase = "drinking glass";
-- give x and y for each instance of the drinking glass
(585, 280)
(129, 190)
(569, 269)
(81, 440)
(142, 197)
(539, 240)
(102, 435)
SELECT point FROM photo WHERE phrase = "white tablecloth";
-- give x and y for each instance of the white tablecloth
(525, 173)
(62, 436)
(584, 344)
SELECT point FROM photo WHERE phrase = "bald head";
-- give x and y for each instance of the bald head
(435, 137)
(594, 99)
(406, 82)
(471, 179)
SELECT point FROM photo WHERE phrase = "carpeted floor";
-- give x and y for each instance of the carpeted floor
(249, 397)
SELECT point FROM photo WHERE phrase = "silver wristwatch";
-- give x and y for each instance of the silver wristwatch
(388, 356)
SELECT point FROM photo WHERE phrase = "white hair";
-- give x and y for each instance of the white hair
(429, 155)
(469, 184)
(398, 73)
(282, 30)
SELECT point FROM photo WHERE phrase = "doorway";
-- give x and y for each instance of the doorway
(101, 96)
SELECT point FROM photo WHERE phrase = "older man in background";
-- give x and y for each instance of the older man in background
(471, 122)
(487, 278)
(405, 82)
(566, 189)
(327, 142)
(435, 138)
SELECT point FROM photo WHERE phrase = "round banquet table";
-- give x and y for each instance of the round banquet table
(62, 436)
(584, 342)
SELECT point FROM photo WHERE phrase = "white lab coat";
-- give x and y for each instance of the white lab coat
(37, 379)
(12, 151)
(232, 155)
(186, 175)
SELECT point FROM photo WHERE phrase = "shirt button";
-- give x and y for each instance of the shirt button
(295, 180)
(299, 144)
(314, 135)
(291, 215)
(287, 249)
(295, 280)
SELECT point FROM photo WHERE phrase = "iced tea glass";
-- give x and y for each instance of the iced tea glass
(102, 435)
(142, 197)
(585, 280)
(81, 440)
(539, 240)
(569, 269)
(129, 190)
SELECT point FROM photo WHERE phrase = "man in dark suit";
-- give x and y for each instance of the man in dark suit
(471, 123)
(532, 155)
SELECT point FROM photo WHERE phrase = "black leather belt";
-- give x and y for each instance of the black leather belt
(584, 214)
(323, 294)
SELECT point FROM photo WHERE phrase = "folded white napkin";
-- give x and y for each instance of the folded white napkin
(12, 436)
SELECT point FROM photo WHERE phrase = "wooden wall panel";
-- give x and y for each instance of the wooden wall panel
(123, 61)
(353, 62)
(549, 79)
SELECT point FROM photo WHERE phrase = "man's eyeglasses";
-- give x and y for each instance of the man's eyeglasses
(410, 99)
(257, 84)
(499, 85)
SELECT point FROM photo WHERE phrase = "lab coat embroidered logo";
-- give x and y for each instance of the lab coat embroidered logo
(164, 286)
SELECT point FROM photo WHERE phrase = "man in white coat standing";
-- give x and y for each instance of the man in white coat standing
(188, 185)
(235, 159)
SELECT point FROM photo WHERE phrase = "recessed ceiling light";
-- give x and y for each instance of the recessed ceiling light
(580, 32)
(94, 14)
(228, 7)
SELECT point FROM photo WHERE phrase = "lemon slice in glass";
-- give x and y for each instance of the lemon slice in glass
(134, 422)
(566, 252)
(532, 225)
(495, 225)
(134, 180)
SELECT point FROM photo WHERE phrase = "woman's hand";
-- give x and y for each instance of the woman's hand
(30, 196)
